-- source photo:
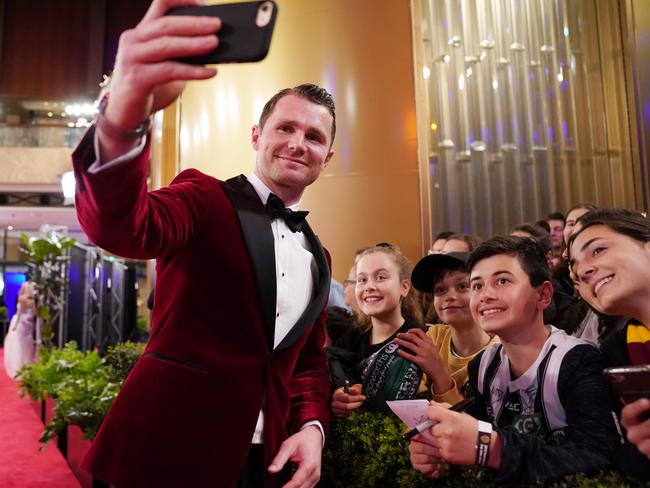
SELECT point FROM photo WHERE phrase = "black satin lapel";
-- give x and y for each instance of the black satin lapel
(316, 305)
(258, 236)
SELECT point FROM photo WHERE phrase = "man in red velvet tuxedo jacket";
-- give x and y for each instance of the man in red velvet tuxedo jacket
(233, 383)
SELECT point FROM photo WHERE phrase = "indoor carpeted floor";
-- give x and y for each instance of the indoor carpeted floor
(22, 465)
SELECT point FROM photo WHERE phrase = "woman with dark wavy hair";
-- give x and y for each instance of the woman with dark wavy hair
(610, 257)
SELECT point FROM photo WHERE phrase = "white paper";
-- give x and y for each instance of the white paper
(412, 413)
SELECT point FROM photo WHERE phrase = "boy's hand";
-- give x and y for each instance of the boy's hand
(455, 436)
(638, 432)
(343, 403)
(424, 457)
(426, 356)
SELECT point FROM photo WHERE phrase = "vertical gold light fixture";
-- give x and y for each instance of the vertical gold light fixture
(523, 110)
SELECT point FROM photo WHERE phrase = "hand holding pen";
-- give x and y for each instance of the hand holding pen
(427, 424)
(346, 399)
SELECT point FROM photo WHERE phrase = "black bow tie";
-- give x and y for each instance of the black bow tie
(276, 210)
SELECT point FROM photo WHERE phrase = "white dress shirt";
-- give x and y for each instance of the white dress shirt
(296, 276)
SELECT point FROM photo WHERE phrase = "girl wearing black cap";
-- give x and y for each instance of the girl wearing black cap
(445, 349)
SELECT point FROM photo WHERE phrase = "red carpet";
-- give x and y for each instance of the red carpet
(22, 465)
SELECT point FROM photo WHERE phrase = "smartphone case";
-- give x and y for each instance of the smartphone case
(241, 40)
(630, 382)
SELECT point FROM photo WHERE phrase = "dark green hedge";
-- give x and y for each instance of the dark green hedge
(84, 385)
(366, 449)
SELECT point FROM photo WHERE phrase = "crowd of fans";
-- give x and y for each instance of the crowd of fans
(524, 325)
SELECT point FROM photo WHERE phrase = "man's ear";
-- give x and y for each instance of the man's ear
(255, 137)
(328, 158)
(545, 291)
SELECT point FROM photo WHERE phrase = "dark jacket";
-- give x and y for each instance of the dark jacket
(590, 436)
(627, 457)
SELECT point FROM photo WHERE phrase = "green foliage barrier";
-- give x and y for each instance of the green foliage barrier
(40, 379)
(84, 385)
(121, 358)
(366, 449)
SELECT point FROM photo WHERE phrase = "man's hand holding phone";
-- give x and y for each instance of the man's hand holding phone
(147, 75)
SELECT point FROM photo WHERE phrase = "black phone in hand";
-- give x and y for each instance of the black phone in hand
(245, 34)
(630, 382)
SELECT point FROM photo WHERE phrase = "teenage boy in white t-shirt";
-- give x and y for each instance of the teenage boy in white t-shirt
(543, 409)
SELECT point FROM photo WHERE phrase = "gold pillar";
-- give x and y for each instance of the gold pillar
(361, 51)
(163, 168)
(637, 30)
(164, 147)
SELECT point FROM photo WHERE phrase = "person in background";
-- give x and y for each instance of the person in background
(336, 297)
(445, 349)
(544, 225)
(349, 290)
(454, 242)
(439, 242)
(460, 243)
(558, 313)
(383, 283)
(540, 235)
(593, 326)
(556, 224)
(609, 253)
(542, 407)
(20, 344)
(571, 220)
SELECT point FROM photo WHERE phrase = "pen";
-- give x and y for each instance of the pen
(422, 426)
(346, 388)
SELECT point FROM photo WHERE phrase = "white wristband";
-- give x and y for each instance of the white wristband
(483, 443)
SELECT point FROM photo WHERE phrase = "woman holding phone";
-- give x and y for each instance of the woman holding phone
(610, 257)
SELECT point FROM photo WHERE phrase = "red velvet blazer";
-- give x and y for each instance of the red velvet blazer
(187, 412)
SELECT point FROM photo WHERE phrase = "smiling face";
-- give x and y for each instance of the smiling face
(613, 271)
(379, 289)
(451, 296)
(293, 147)
(503, 301)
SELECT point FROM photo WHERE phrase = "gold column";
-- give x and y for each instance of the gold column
(636, 21)
(164, 147)
(361, 52)
(162, 170)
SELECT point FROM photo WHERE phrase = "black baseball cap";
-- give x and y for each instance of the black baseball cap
(427, 267)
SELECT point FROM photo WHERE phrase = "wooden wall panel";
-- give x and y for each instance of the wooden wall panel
(45, 48)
